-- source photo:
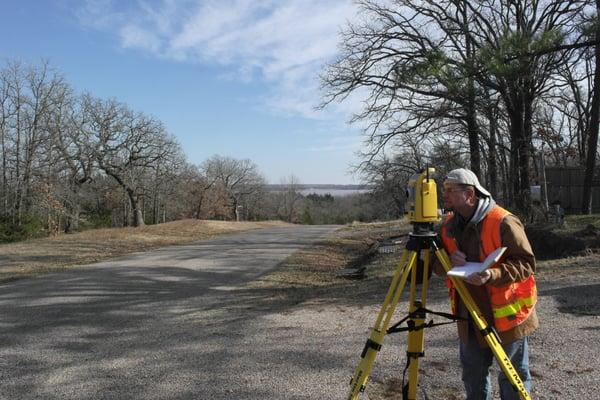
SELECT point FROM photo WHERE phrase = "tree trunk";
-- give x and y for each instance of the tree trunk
(515, 134)
(155, 211)
(72, 222)
(142, 206)
(524, 159)
(126, 208)
(138, 217)
(492, 154)
(519, 110)
(4, 191)
(505, 187)
(17, 197)
(236, 211)
(543, 184)
(471, 113)
(200, 203)
(592, 143)
(473, 131)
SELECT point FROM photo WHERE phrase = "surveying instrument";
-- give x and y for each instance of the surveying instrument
(415, 262)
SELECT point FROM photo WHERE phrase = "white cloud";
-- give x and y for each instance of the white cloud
(133, 36)
(284, 43)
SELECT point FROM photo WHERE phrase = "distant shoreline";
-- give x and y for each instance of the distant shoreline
(320, 186)
(323, 189)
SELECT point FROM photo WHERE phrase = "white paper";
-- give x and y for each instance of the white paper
(471, 268)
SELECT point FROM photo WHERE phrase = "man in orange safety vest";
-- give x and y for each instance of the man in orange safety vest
(506, 292)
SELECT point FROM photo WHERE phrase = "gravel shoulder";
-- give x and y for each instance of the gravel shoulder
(331, 318)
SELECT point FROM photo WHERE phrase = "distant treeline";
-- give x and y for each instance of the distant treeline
(321, 186)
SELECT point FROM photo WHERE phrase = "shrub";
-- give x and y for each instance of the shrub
(31, 227)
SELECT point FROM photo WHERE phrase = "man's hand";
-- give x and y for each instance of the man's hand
(458, 258)
(479, 278)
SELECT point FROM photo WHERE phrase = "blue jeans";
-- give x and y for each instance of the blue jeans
(476, 362)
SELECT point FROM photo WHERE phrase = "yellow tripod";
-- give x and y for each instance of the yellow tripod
(422, 242)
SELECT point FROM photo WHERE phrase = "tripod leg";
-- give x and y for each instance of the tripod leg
(375, 341)
(488, 332)
(416, 338)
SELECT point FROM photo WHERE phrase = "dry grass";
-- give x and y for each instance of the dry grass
(57, 253)
(571, 268)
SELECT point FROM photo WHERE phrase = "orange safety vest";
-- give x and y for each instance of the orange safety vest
(512, 303)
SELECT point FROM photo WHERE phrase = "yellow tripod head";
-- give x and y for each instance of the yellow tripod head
(421, 203)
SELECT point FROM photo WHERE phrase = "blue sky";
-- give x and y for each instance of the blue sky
(237, 78)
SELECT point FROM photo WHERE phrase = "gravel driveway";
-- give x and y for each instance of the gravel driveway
(182, 323)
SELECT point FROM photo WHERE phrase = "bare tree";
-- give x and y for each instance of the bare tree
(67, 158)
(127, 146)
(438, 66)
(389, 178)
(165, 171)
(29, 96)
(199, 186)
(289, 199)
(6, 115)
(594, 123)
(417, 66)
(236, 179)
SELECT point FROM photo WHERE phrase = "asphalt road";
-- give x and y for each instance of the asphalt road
(167, 324)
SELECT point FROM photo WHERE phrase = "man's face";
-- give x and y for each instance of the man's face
(455, 196)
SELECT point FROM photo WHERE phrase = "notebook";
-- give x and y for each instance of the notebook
(471, 268)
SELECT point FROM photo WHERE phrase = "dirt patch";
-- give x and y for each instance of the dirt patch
(580, 236)
(548, 244)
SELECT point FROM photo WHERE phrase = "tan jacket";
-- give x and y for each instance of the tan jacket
(519, 264)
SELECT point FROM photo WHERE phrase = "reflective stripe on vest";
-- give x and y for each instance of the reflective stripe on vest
(514, 308)
(511, 304)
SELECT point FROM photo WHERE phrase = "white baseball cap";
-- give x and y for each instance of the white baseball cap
(463, 176)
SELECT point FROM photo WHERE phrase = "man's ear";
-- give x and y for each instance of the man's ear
(472, 194)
